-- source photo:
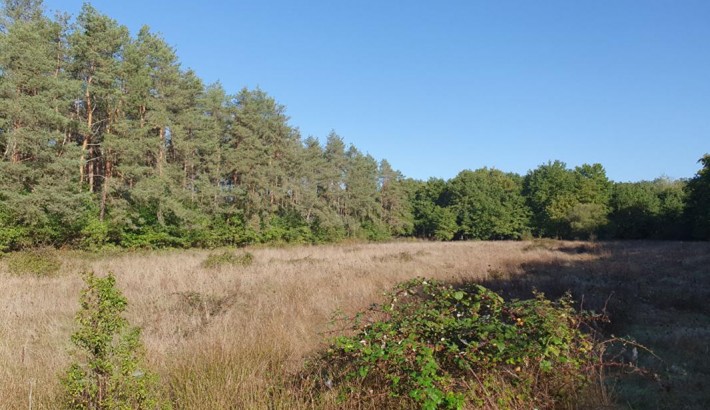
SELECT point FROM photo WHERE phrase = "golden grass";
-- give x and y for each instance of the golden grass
(229, 337)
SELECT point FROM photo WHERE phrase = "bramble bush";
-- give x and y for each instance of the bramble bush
(109, 373)
(437, 346)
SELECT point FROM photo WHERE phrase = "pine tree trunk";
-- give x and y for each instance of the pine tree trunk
(161, 151)
(87, 139)
(104, 190)
(219, 177)
(12, 148)
(92, 169)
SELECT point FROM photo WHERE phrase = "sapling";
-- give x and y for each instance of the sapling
(109, 372)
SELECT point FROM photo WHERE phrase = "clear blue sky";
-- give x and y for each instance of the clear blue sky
(438, 87)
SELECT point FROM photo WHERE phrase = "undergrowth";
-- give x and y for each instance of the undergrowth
(215, 260)
(39, 262)
(437, 346)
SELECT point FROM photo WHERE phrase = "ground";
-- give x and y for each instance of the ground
(231, 335)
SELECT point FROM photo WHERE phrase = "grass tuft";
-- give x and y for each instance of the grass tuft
(217, 260)
(40, 262)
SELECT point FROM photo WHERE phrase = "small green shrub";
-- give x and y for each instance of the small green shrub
(215, 260)
(95, 234)
(436, 346)
(109, 373)
(40, 262)
(12, 237)
(151, 238)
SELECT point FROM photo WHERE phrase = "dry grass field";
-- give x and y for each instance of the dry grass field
(230, 336)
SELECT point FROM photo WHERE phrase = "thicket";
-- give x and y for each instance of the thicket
(432, 345)
(106, 141)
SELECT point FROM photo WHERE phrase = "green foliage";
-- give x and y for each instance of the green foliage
(396, 209)
(216, 260)
(288, 228)
(325, 231)
(433, 216)
(648, 209)
(152, 239)
(489, 205)
(224, 231)
(106, 141)
(568, 203)
(12, 237)
(698, 210)
(109, 373)
(438, 346)
(95, 234)
(376, 231)
(38, 262)
(586, 219)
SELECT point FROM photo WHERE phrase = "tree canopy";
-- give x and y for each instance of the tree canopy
(106, 140)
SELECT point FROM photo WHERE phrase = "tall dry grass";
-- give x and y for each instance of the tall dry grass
(229, 337)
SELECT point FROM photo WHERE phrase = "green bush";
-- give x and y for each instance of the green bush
(109, 373)
(12, 237)
(39, 262)
(153, 239)
(215, 260)
(231, 232)
(95, 234)
(437, 346)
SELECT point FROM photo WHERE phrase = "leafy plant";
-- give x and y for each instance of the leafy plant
(109, 373)
(95, 234)
(438, 346)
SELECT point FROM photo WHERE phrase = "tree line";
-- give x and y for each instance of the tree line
(555, 201)
(105, 140)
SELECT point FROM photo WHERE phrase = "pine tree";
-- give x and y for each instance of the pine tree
(396, 208)
(259, 150)
(40, 204)
(362, 207)
(97, 46)
(19, 11)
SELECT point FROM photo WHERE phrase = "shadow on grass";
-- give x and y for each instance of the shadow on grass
(657, 293)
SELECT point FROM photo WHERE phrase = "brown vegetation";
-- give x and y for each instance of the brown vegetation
(229, 336)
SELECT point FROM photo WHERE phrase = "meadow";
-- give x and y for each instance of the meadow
(226, 332)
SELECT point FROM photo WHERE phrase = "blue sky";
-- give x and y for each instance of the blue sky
(438, 87)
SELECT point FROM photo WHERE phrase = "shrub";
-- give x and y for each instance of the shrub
(40, 262)
(437, 346)
(95, 234)
(12, 237)
(215, 260)
(151, 238)
(109, 373)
